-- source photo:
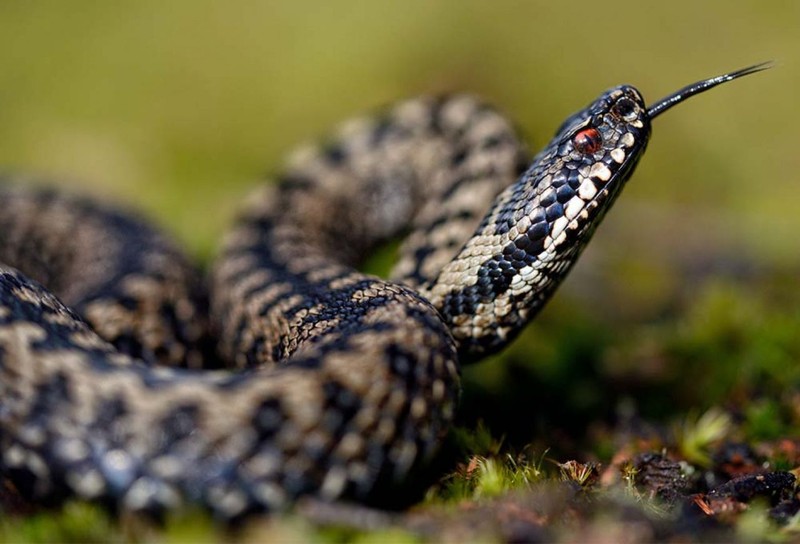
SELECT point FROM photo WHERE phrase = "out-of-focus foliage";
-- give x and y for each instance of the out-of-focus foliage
(180, 107)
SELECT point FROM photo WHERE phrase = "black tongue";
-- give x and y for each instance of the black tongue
(701, 86)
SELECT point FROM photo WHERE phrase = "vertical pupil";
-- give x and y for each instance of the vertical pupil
(587, 141)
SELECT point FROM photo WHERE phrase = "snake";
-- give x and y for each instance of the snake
(129, 378)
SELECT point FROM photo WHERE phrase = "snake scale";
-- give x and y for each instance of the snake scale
(343, 381)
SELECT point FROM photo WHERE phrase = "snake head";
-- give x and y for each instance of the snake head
(576, 177)
(600, 146)
(597, 148)
(537, 227)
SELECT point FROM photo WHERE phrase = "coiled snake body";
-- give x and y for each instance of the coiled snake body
(346, 381)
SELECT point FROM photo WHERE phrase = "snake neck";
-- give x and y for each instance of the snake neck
(538, 226)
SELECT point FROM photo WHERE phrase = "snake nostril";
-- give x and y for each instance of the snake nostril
(625, 108)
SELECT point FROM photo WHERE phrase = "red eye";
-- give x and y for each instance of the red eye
(587, 141)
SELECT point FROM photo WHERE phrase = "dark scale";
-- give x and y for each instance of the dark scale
(110, 412)
(52, 395)
(211, 433)
(381, 131)
(180, 423)
(401, 361)
(547, 200)
(436, 122)
(564, 194)
(335, 154)
(505, 218)
(554, 211)
(342, 400)
(459, 157)
(268, 418)
(574, 179)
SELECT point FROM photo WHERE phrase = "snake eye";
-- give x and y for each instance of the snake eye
(587, 141)
(625, 108)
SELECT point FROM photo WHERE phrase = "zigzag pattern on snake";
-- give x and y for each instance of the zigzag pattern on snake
(344, 382)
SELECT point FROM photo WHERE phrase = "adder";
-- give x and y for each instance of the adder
(343, 382)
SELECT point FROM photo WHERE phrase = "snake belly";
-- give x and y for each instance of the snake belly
(342, 382)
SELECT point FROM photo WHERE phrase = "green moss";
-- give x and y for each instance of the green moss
(76, 522)
(765, 419)
(695, 436)
(485, 477)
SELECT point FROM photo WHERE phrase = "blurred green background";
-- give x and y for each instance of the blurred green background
(178, 108)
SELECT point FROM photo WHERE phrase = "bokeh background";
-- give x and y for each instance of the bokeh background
(178, 108)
